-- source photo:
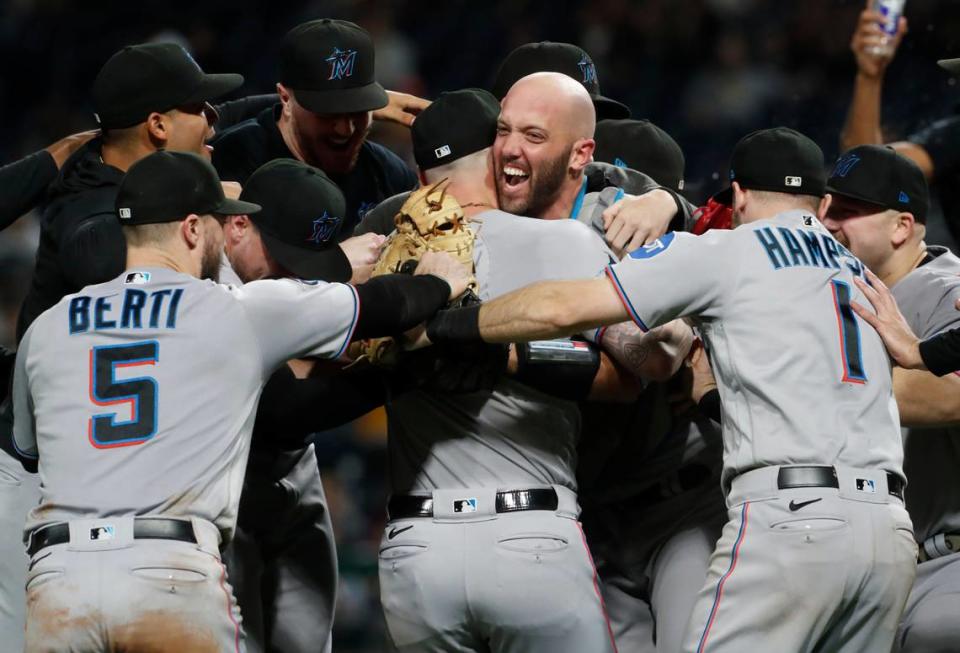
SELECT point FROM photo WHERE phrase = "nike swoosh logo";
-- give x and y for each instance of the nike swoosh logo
(796, 506)
(396, 531)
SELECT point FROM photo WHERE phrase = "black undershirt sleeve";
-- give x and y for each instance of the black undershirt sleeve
(236, 111)
(291, 409)
(941, 353)
(23, 183)
(394, 303)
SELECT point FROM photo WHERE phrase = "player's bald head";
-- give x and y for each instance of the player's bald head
(544, 142)
(562, 102)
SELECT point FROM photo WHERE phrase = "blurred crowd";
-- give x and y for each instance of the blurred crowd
(707, 71)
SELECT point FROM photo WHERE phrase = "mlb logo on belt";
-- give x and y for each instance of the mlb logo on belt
(866, 485)
(102, 533)
(465, 505)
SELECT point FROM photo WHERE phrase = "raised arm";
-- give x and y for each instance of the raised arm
(863, 117)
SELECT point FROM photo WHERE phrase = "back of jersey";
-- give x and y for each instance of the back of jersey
(513, 435)
(802, 379)
(143, 391)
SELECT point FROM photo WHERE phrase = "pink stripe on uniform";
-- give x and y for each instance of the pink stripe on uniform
(596, 588)
(733, 563)
(236, 624)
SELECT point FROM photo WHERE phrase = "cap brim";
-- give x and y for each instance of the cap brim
(329, 264)
(858, 197)
(724, 197)
(608, 109)
(952, 66)
(214, 86)
(344, 100)
(235, 207)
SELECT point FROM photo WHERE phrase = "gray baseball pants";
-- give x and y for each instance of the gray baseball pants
(520, 582)
(123, 594)
(806, 569)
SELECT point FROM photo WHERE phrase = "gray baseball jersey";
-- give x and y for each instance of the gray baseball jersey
(932, 456)
(926, 298)
(802, 380)
(514, 436)
(140, 393)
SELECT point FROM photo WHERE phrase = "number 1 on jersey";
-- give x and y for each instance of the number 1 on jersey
(104, 430)
(849, 334)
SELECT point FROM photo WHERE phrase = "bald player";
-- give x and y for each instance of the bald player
(818, 551)
(139, 567)
(482, 551)
(880, 212)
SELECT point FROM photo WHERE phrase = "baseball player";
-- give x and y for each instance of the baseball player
(879, 212)
(140, 567)
(283, 558)
(327, 92)
(163, 103)
(815, 497)
(649, 474)
(482, 549)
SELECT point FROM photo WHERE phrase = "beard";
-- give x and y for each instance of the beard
(543, 187)
(210, 262)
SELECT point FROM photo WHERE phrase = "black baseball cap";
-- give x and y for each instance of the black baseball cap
(878, 175)
(952, 66)
(329, 65)
(642, 146)
(301, 216)
(456, 124)
(169, 186)
(141, 79)
(571, 60)
(779, 160)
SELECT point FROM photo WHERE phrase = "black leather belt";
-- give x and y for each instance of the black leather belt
(405, 506)
(143, 529)
(826, 476)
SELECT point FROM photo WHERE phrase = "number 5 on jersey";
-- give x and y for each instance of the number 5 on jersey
(105, 430)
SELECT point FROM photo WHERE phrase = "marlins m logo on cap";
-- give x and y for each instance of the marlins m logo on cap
(323, 228)
(588, 69)
(341, 63)
(845, 165)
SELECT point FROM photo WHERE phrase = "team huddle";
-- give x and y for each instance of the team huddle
(616, 421)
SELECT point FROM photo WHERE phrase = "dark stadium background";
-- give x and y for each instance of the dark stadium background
(708, 71)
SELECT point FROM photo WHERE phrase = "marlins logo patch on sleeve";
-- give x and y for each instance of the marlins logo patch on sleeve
(654, 248)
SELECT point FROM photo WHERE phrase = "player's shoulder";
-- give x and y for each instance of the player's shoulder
(394, 169)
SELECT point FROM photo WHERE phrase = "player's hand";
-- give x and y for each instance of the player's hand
(901, 342)
(869, 35)
(231, 189)
(62, 149)
(363, 252)
(441, 264)
(635, 221)
(402, 108)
